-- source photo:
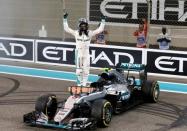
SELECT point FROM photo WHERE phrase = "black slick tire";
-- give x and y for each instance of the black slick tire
(47, 104)
(151, 91)
(102, 112)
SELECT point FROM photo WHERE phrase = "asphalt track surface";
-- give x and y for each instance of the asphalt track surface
(18, 95)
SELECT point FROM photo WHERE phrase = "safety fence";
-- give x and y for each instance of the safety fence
(128, 13)
(159, 62)
(162, 12)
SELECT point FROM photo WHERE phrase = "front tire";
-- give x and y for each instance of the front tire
(102, 112)
(47, 104)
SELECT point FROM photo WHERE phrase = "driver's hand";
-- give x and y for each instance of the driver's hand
(103, 17)
(65, 15)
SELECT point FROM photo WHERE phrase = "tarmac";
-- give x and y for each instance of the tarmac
(19, 93)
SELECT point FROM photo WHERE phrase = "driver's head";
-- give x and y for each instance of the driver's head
(83, 25)
(120, 70)
(105, 76)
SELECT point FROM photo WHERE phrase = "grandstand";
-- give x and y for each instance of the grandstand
(25, 18)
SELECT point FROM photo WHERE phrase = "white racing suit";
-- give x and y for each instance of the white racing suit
(82, 55)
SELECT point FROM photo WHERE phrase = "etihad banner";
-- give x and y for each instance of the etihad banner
(63, 53)
(164, 12)
(109, 56)
(54, 52)
(167, 62)
(17, 49)
(157, 61)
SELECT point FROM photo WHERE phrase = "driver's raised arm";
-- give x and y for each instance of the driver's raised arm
(66, 26)
(99, 29)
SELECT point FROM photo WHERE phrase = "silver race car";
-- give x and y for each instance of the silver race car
(89, 107)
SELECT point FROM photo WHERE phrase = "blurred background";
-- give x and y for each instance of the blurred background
(26, 17)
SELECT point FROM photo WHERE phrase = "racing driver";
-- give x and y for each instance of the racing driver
(83, 38)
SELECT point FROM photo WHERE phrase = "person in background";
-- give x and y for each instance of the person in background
(82, 37)
(141, 34)
(101, 37)
(164, 39)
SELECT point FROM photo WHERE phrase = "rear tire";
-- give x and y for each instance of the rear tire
(102, 112)
(155, 91)
(47, 104)
(151, 91)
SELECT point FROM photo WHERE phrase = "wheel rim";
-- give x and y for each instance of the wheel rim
(107, 114)
(156, 92)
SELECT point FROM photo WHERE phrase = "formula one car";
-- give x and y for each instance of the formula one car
(89, 107)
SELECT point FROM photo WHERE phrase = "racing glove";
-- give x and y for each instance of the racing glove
(65, 15)
(103, 17)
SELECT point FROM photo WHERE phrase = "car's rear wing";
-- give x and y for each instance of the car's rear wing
(132, 67)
